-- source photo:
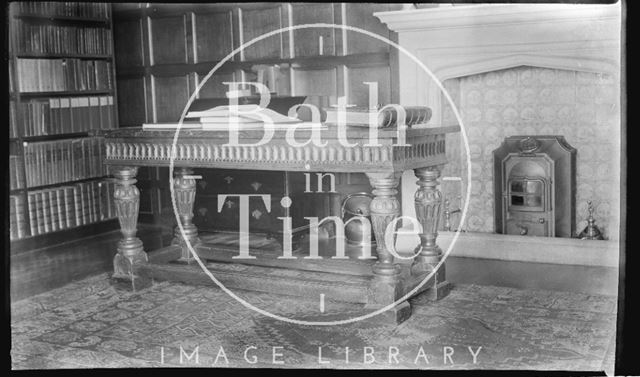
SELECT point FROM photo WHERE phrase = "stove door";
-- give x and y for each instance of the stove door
(526, 204)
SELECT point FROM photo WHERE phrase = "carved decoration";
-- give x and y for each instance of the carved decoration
(184, 188)
(127, 201)
(432, 145)
(428, 203)
(383, 208)
(528, 145)
(256, 186)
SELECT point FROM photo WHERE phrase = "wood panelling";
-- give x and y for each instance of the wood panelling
(128, 42)
(163, 33)
(214, 87)
(307, 41)
(359, 92)
(319, 82)
(257, 22)
(131, 101)
(168, 35)
(360, 15)
(213, 36)
(171, 95)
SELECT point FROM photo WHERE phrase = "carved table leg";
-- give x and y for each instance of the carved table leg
(428, 202)
(386, 285)
(184, 188)
(130, 248)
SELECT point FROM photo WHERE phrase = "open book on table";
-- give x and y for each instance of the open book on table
(223, 117)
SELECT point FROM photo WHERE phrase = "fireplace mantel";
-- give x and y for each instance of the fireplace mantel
(458, 41)
(493, 14)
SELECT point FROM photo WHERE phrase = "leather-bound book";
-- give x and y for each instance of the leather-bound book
(385, 118)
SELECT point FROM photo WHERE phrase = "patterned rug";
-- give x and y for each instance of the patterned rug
(90, 324)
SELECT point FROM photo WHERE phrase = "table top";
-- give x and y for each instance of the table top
(425, 146)
(327, 132)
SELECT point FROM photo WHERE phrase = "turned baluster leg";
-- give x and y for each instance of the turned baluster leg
(428, 202)
(384, 208)
(184, 188)
(130, 248)
(386, 285)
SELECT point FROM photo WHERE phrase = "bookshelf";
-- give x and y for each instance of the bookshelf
(62, 97)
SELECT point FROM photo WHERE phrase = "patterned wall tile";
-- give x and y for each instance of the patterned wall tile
(581, 106)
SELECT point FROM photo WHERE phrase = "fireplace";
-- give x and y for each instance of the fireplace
(518, 69)
(534, 186)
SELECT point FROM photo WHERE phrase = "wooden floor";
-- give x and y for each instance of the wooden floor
(38, 271)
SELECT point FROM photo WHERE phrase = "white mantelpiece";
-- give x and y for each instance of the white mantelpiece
(458, 41)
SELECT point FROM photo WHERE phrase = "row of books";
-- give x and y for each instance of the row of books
(60, 39)
(54, 116)
(62, 208)
(55, 75)
(17, 220)
(51, 162)
(15, 173)
(65, 9)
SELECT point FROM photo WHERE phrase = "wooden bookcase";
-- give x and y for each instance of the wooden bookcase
(62, 97)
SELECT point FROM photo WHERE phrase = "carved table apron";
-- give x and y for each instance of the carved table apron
(375, 283)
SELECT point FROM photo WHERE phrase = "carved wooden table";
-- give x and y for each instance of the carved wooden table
(375, 283)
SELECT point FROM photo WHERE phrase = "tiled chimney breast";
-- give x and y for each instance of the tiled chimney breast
(518, 69)
(580, 106)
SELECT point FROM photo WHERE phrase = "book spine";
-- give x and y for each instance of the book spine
(33, 213)
(54, 115)
(50, 162)
(53, 209)
(21, 220)
(94, 110)
(77, 201)
(19, 169)
(30, 154)
(110, 112)
(70, 207)
(46, 218)
(65, 115)
(37, 198)
(62, 211)
(94, 205)
(86, 204)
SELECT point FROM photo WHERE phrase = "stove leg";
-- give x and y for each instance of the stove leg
(428, 203)
(386, 286)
